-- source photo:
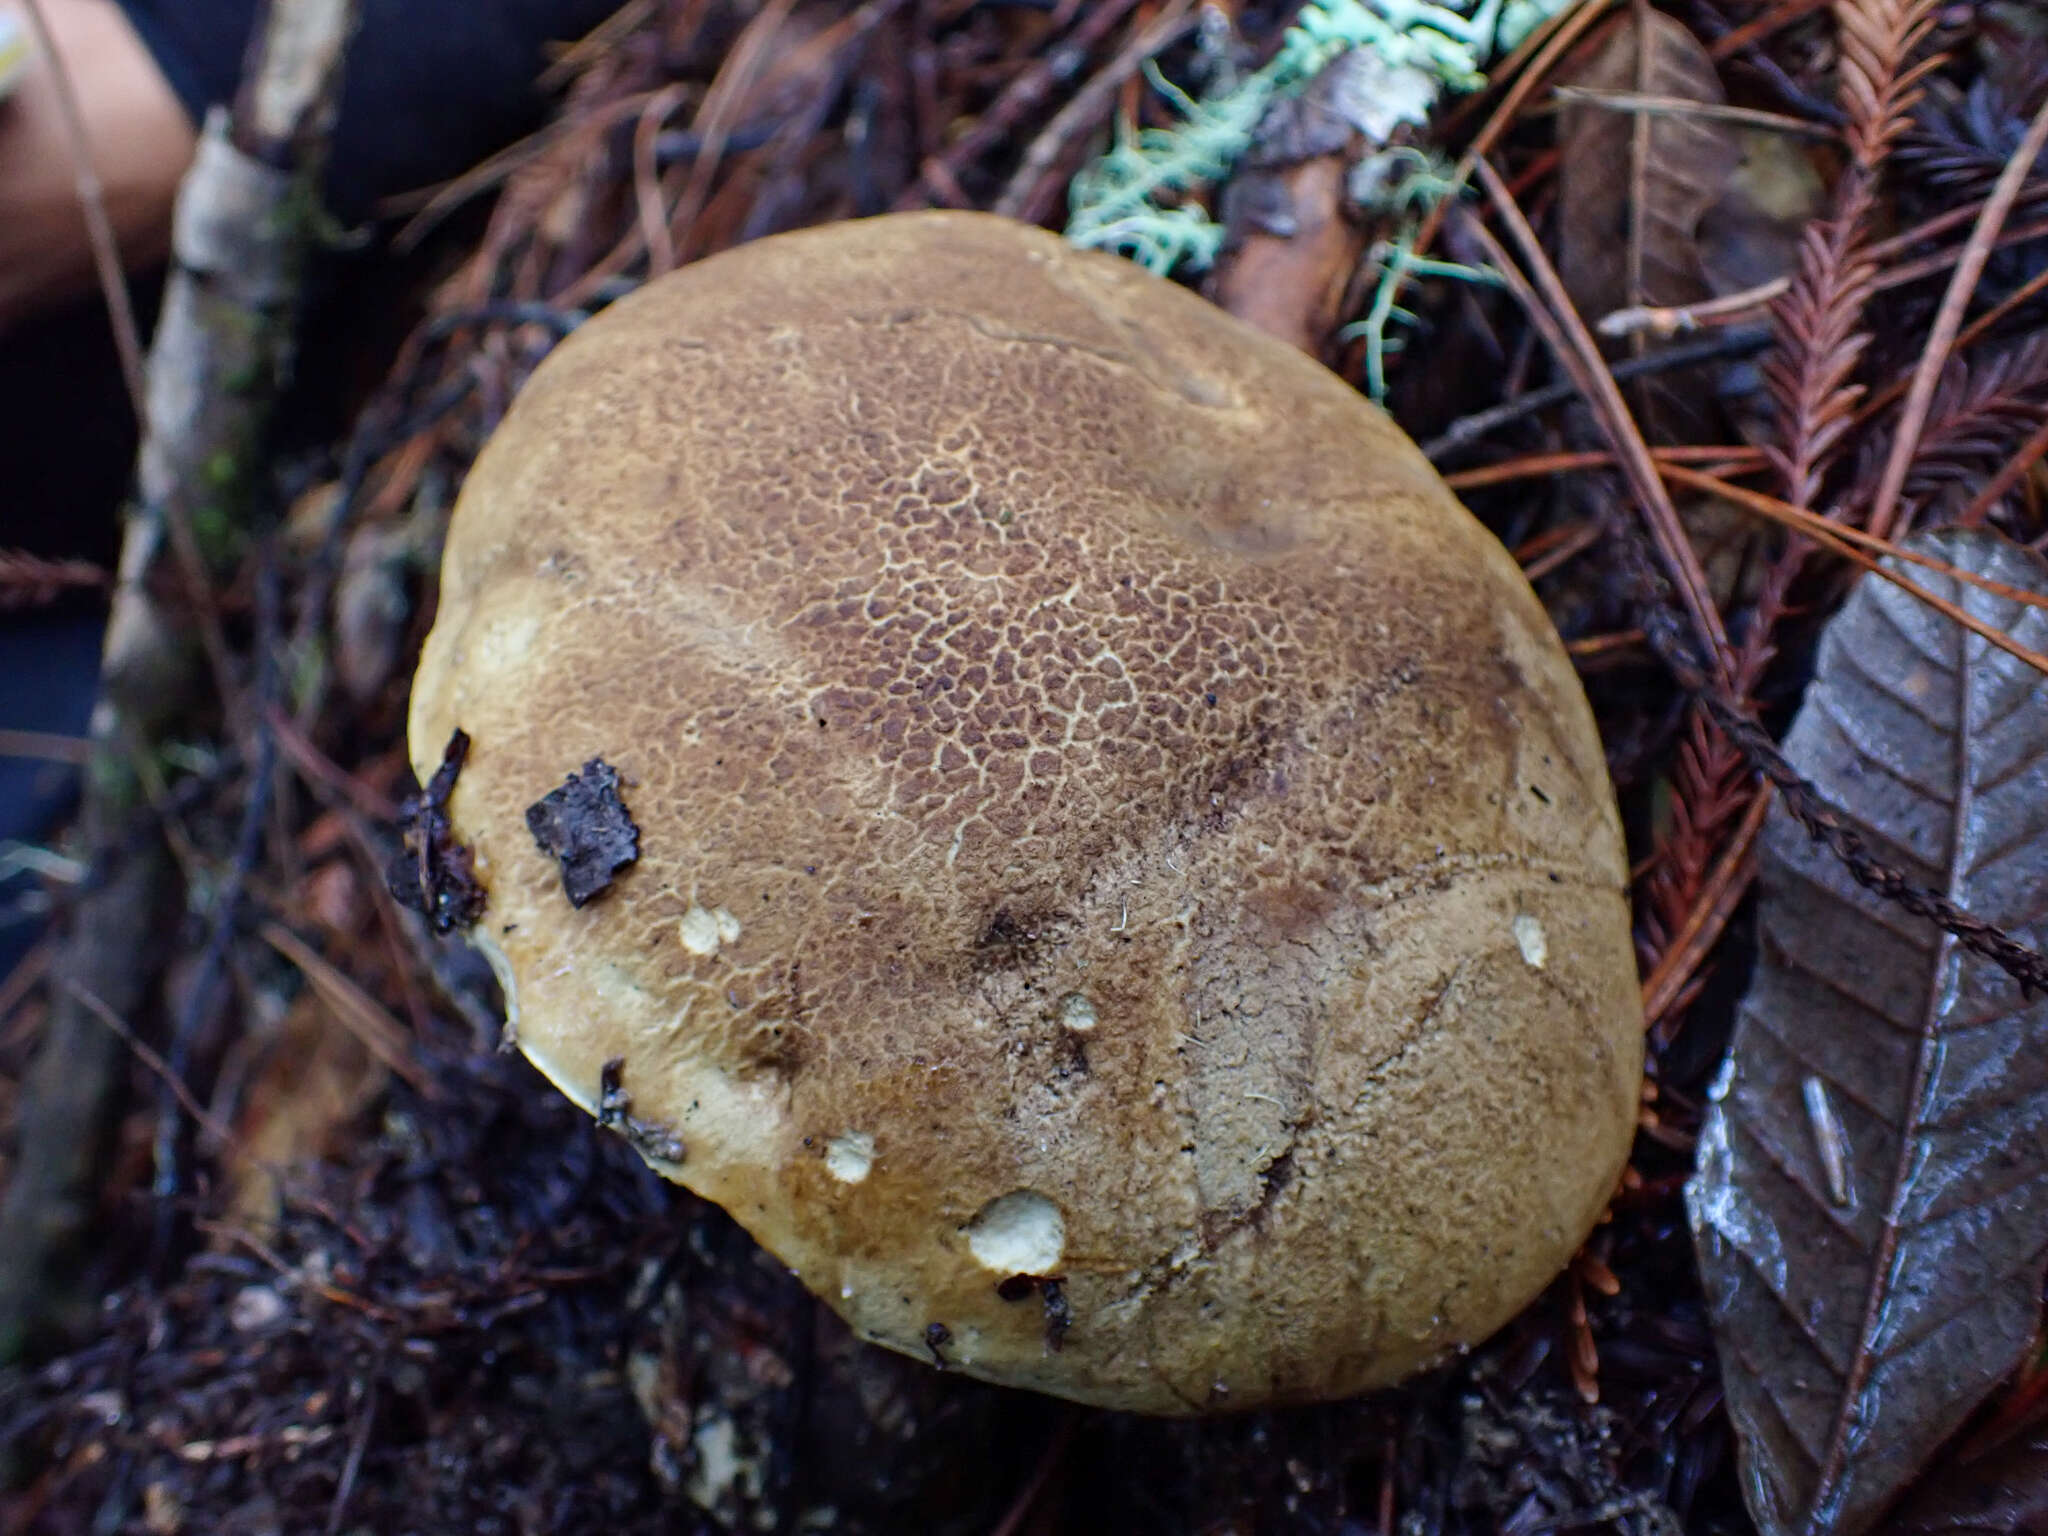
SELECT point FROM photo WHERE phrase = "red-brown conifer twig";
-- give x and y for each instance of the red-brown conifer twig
(1948, 321)
(1820, 340)
(29, 581)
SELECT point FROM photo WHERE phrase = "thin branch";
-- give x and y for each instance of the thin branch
(243, 227)
(1537, 466)
(26, 976)
(1022, 95)
(1663, 321)
(358, 1444)
(1806, 804)
(715, 114)
(1949, 319)
(2000, 485)
(204, 1117)
(1814, 524)
(45, 746)
(1651, 105)
(353, 1008)
(1841, 539)
(1678, 320)
(1467, 430)
(1844, 541)
(28, 580)
(1021, 197)
(1580, 357)
(1775, 19)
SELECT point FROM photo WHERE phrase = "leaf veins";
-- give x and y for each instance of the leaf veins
(1871, 1203)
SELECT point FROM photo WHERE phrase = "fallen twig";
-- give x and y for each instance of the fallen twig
(1948, 320)
(222, 348)
(27, 580)
(196, 1008)
(1676, 650)
(1025, 197)
(939, 175)
(1552, 313)
(47, 746)
(1467, 430)
(165, 1073)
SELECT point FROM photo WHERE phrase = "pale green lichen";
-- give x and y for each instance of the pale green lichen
(1399, 265)
(1135, 199)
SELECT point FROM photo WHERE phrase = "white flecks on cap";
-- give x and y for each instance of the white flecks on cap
(705, 928)
(849, 1156)
(1021, 1233)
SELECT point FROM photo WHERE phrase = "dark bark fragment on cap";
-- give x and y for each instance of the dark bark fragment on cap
(436, 875)
(1052, 1290)
(615, 1113)
(584, 824)
(1059, 1317)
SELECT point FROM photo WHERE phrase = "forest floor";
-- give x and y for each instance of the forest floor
(396, 1283)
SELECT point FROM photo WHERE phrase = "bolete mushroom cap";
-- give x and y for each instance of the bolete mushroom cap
(1129, 901)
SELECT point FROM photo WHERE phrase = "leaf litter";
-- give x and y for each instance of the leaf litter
(470, 1279)
(1633, 187)
(1871, 1205)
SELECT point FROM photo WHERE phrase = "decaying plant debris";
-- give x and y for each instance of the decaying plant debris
(435, 875)
(476, 1310)
(583, 823)
(1878, 1267)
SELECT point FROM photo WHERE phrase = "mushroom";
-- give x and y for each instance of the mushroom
(1077, 840)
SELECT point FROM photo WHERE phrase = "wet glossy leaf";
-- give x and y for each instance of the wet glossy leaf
(2005, 1493)
(1871, 1204)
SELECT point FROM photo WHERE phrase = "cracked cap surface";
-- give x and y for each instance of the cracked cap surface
(1106, 812)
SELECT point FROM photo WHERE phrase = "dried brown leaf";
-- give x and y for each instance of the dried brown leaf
(1611, 253)
(1871, 1205)
(1633, 185)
